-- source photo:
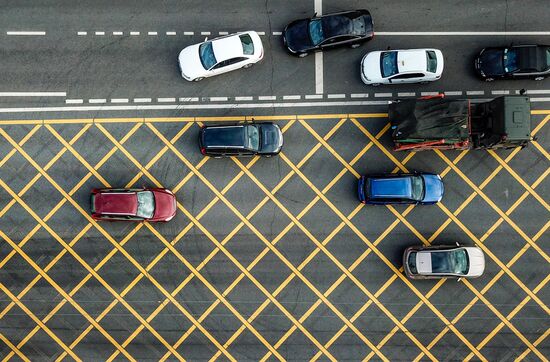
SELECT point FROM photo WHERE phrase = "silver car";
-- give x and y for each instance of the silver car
(443, 261)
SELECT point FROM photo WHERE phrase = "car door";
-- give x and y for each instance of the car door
(229, 65)
(406, 78)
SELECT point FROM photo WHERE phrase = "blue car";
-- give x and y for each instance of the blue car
(405, 188)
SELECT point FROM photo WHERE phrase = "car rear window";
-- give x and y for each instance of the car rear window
(388, 64)
(431, 61)
(247, 43)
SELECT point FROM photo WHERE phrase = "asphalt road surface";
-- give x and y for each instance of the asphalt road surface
(266, 259)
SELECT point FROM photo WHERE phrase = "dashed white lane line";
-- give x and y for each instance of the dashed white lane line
(244, 98)
(537, 91)
(142, 100)
(540, 99)
(170, 33)
(188, 33)
(276, 33)
(261, 33)
(119, 100)
(319, 88)
(218, 99)
(424, 94)
(379, 95)
(33, 94)
(97, 100)
(152, 33)
(118, 33)
(166, 100)
(267, 98)
(99, 33)
(475, 93)
(313, 96)
(223, 33)
(359, 95)
(318, 7)
(292, 97)
(500, 92)
(189, 99)
(205, 33)
(453, 93)
(74, 101)
(336, 96)
(25, 32)
(134, 33)
(406, 94)
(82, 33)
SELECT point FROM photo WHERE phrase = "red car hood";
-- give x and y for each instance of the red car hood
(116, 203)
(165, 205)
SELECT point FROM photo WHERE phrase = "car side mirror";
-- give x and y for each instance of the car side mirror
(457, 244)
(206, 39)
(315, 15)
(388, 48)
(459, 279)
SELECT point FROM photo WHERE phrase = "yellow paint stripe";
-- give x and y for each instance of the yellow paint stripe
(541, 149)
(536, 343)
(14, 349)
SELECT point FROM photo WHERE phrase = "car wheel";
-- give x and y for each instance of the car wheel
(489, 79)
(356, 45)
(198, 79)
(246, 66)
(539, 78)
(302, 55)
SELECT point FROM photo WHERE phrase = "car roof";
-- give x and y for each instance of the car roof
(413, 60)
(397, 187)
(224, 136)
(116, 203)
(227, 47)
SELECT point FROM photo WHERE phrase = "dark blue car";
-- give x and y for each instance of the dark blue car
(412, 188)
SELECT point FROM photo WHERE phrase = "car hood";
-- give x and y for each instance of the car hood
(370, 67)
(272, 138)
(424, 262)
(490, 63)
(296, 36)
(476, 261)
(190, 63)
(123, 203)
(165, 205)
(434, 188)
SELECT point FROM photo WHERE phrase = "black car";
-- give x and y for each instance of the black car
(318, 33)
(246, 139)
(514, 62)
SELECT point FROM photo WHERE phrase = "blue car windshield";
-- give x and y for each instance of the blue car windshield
(388, 64)
(206, 53)
(454, 262)
(316, 31)
(510, 61)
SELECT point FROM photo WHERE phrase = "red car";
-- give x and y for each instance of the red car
(133, 204)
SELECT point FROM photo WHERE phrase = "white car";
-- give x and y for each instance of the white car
(402, 66)
(220, 55)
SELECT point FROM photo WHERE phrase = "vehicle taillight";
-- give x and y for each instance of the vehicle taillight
(203, 150)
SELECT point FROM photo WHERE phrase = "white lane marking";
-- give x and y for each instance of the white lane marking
(318, 6)
(248, 98)
(537, 91)
(453, 93)
(424, 94)
(293, 97)
(188, 33)
(540, 99)
(152, 33)
(74, 101)
(277, 33)
(166, 100)
(33, 94)
(144, 107)
(261, 32)
(218, 99)
(170, 33)
(500, 92)
(97, 100)
(205, 33)
(119, 100)
(453, 33)
(189, 99)
(333, 96)
(142, 100)
(319, 89)
(25, 32)
(99, 33)
(223, 33)
(134, 33)
(118, 33)
(406, 94)
(475, 93)
(359, 95)
(267, 98)
(382, 95)
(313, 96)
(82, 33)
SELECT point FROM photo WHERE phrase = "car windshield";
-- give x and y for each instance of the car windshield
(431, 60)
(510, 61)
(417, 188)
(146, 204)
(247, 43)
(206, 53)
(316, 31)
(252, 138)
(454, 261)
(412, 262)
(388, 64)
